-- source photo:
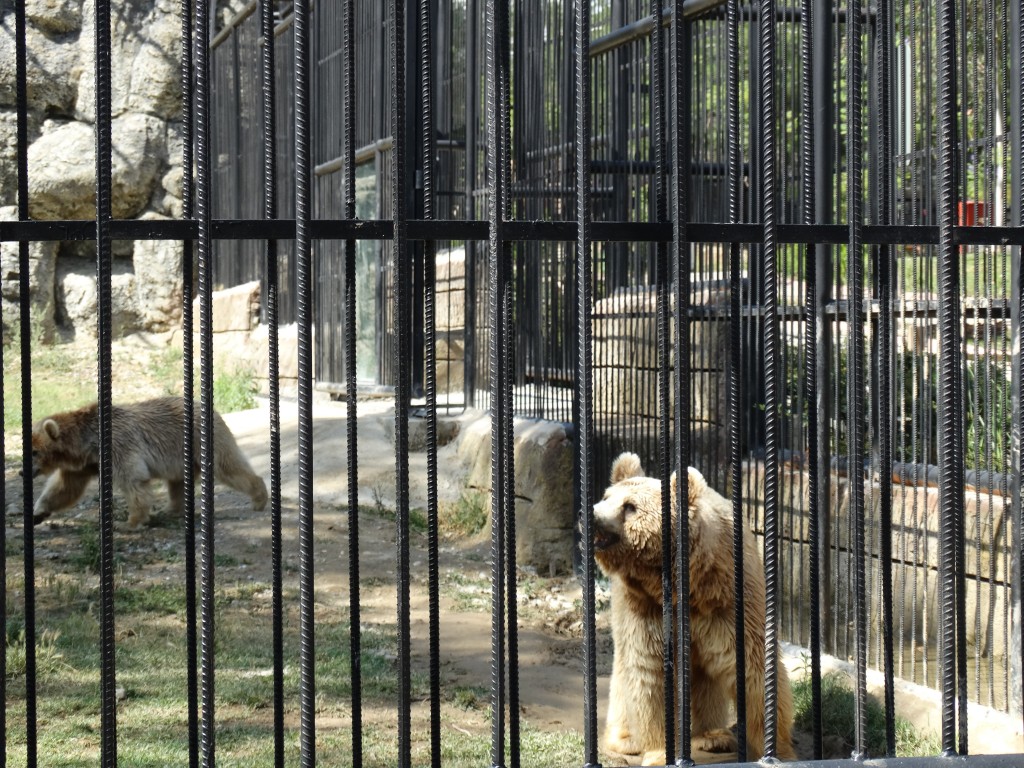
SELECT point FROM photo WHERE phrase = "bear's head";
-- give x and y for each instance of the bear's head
(627, 521)
(51, 449)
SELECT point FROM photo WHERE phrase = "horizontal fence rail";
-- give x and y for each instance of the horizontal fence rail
(776, 242)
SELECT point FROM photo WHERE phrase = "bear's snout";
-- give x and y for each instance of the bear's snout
(607, 525)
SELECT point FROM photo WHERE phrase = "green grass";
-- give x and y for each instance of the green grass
(152, 726)
(838, 716)
(87, 555)
(52, 389)
(168, 369)
(57, 387)
(464, 517)
(49, 658)
(417, 517)
(234, 390)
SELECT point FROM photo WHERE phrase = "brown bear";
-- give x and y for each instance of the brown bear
(147, 444)
(628, 547)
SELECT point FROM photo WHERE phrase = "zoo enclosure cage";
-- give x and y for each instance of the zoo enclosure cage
(809, 408)
(812, 286)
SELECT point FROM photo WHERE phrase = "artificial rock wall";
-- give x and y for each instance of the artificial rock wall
(146, 134)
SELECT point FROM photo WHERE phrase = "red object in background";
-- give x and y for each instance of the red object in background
(971, 212)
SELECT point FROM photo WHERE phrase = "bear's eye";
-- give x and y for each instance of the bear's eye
(628, 510)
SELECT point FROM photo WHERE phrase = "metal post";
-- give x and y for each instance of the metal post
(822, 99)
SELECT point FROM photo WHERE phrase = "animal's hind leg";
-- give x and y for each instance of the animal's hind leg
(176, 496)
(62, 489)
(709, 710)
(140, 502)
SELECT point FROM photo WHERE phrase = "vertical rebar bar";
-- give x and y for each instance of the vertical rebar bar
(272, 304)
(504, 386)
(496, 75)
(734, 383)
(823, 129)
(681, 153)
(203, 214)
(104, 377)
(348, 136)
(427, 153)
(472, 95)
(304, 308)
(772, 376)
(950, 445)
(25, 329)
(663, 281)
(812, 383)
(188, 387)
(584, 387)
(855, 357)
(884, 346)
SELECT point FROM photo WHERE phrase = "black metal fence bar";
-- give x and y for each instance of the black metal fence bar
(680, 256)
(204, 258)
(855, 356)
(519, 230)
(772, 360)
(735, 378)
(812, 379)
(583, 405)
(189, 447)
(663, 279)
(951, 460)
(496, 76)
(272, 304)
(104, 309)
(427, 151)
(884, 257)
(352, 409)
(25, 328)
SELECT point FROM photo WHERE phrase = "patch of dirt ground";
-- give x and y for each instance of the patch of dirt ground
(549, 609)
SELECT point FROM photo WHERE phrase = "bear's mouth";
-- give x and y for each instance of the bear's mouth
(604, 539)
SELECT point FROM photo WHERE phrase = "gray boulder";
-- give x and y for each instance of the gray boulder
(42, 258)
(55, 17)
(145, 60)
(62, 173)
(53, 71)
(543, 458)
(76, 296)
(158, 286)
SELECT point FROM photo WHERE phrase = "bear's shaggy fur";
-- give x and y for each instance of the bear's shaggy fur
(628, 544)
(147, 444)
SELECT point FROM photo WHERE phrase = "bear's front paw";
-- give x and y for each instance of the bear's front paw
(718, 740)
(655, 757)
(620, 746)
(39, 515)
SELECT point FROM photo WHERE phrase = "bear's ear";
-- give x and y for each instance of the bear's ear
(625, 467)
(51, 428)
(695, 485)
